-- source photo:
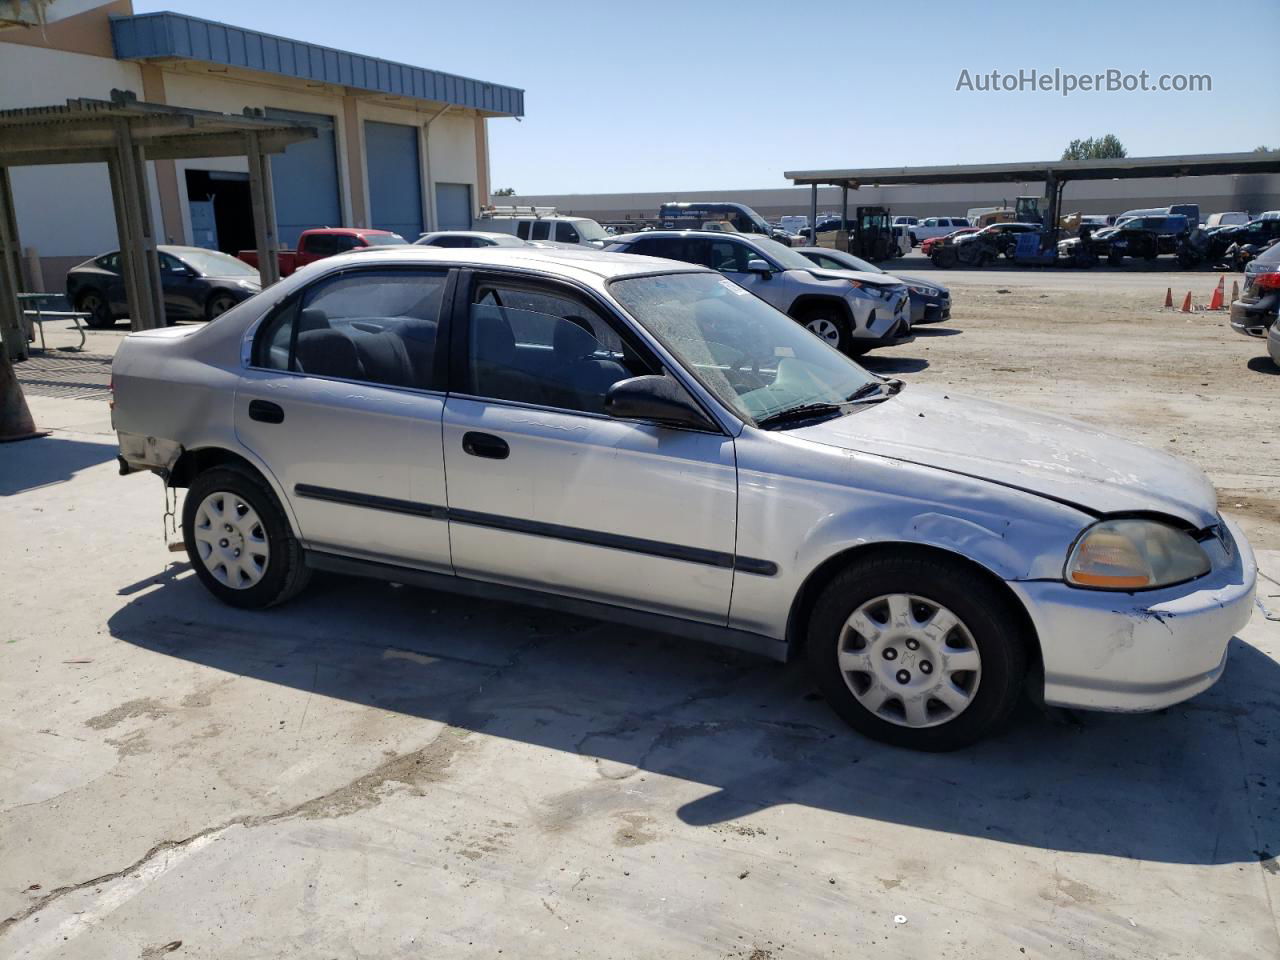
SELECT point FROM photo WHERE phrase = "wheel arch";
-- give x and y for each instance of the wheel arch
(807, 302)
(825, 572)
(198, 460)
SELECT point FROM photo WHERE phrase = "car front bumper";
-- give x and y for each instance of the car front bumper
(1106, 650)
(929, 309)
(1253, 319)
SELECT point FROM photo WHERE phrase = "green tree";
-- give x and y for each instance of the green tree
(505, 192)
(1106, 147)
(1265, 149)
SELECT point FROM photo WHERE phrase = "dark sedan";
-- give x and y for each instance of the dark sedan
(930, 301)
(1254, 314)
(198, 284)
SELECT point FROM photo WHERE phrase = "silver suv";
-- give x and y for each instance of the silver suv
(854, 312)
(640, 440)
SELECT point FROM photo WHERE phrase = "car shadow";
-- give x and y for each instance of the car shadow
(880, 363)
(45, 460)
(932, 331)
(1263, 365)
(1174, 786)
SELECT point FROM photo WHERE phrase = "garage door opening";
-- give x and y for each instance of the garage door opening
(221, 212)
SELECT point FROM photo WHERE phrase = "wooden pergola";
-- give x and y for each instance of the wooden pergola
(125, 133)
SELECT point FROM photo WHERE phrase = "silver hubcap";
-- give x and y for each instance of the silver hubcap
(824, 328)
(231, 541)
(909, 660)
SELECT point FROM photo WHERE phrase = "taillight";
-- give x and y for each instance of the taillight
(1267, 281)
(111, 391)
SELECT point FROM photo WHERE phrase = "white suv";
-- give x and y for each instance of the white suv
(554, 228)
(936, 227)
(854, 312)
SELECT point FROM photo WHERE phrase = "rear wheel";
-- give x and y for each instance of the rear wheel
(95, 305)
(239, 540)
(917, 652)
(829, 324)
(944, 257)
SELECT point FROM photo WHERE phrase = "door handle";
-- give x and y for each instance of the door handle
(264, 411)
(485, 445)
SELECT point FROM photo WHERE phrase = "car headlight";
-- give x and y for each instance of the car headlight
(923, 291)
(1134, 555)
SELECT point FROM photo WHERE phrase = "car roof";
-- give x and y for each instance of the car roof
(713, 234)
(486, 234)
(580, 263)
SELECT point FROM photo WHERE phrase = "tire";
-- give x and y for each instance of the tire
(272, 576)
(218, 304)
(829, 324)
(986, 633)
(95, 304)
(945, 258)
(1115, 259)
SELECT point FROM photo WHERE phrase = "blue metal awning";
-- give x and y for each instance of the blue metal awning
(147, 35)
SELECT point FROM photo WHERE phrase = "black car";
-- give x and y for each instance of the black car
(1257, 233)
(198, 284)
(1255, 312)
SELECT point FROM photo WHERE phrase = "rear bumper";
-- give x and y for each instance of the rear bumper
(1140, 651)
(1253, 319)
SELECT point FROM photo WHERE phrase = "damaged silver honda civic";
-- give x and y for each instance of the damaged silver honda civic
(644, 441)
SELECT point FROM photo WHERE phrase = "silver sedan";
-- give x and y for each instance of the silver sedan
(644, 441)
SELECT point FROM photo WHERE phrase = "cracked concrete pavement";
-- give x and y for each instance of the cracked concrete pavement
(377, 770)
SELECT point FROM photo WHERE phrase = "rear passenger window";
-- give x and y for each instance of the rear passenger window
(373, 326)
(565, 233)
(522, 229)
(541, 231)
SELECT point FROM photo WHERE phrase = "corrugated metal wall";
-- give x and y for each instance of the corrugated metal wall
(395, 178)
(305, 178)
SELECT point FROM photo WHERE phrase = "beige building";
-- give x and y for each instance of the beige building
(399, 147)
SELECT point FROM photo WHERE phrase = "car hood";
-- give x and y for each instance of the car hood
(875, 279)
(1053, 457)
(920, 281)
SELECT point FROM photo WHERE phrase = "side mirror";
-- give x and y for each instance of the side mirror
(653, 398)
(755, 265)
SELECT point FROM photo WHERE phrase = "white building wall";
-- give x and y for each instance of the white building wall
(64, 211)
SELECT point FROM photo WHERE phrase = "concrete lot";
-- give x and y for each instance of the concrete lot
(384, 771)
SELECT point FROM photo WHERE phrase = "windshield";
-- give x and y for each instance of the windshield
(211, 263)
(782, 255)
(755, 359)
(384, 239)
(590, 230)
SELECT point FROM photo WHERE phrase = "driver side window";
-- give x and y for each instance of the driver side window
(729, 256)
(539, 346)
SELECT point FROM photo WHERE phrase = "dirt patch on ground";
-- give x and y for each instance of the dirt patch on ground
(145, 707)
(1182, 383)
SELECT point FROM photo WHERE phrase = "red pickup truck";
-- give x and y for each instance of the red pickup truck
(324, 242)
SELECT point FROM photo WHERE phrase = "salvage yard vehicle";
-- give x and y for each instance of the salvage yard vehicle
(641, 440)
(930, 301)
(1145, 238)
(693, 215)
(468, 238)
(980, 248)
(854, 312)
(197, 284)
(542, 223)
(931, 227)
(928, 246)
(1254, 314)
(321, 242)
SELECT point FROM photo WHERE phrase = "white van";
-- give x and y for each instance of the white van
(543, 226)
(1233, 219)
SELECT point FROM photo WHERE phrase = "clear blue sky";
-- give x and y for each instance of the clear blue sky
(664, 95)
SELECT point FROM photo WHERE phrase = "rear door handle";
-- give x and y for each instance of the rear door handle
(485, 445)
(264, 411)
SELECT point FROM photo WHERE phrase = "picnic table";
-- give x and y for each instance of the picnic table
(37, 308)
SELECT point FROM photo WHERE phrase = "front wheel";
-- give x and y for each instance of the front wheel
(828, 325)
(944, 257)
(917, 652)
(239, 540)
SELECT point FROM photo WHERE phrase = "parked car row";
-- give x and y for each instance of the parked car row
(641, 439)
(1255, 313)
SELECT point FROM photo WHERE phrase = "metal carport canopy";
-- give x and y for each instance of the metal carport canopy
(1190, 165)
(125, 133)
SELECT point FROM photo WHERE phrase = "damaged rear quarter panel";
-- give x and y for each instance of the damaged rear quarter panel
(801, 503)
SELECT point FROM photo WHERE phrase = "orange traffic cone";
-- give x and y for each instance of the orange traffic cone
(1186, 304)
(15, 416)
(1215, 302)
(1168, 298)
